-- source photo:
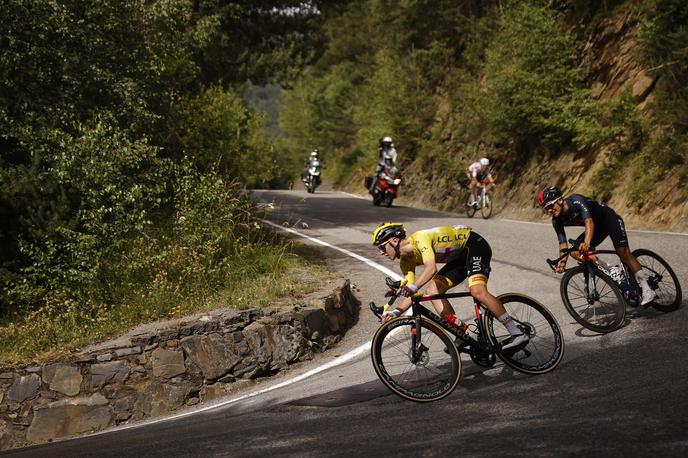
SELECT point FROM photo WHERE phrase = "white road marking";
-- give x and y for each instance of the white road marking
(346, 252)
(354, 195)
(627, 230)
(341, 360)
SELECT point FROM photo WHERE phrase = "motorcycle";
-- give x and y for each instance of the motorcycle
(312, 180)
(386, 185)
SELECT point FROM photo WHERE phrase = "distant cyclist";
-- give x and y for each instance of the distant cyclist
(464, 253)
(599, 221)
(480, 176)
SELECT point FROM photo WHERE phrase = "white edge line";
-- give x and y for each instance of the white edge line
(346, 252)
(627, 230)
(358, 196)
(341, 360)
(534, 222)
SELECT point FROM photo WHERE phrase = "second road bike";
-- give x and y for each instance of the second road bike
(597, 299)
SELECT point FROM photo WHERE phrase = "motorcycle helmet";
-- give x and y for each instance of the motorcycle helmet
(547, 195)
(386, 142)
(315, 153)
(484, 162)
(386, 231)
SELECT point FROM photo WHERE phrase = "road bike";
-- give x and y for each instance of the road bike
(416, 358)
(484, 202)
(597, 298)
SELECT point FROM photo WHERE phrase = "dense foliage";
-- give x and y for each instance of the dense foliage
(451, 80)
(124, 151)
(665, 49)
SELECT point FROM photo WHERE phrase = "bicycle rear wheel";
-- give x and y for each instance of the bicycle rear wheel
(662, 279)
(545, 347)
(486, 209)
(599, 305)
(432, 377)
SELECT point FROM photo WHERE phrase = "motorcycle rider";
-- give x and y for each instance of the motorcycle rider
(314, 157)
(479, 175)
(387, 155)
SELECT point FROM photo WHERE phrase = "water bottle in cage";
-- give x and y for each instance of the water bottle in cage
(617, 273)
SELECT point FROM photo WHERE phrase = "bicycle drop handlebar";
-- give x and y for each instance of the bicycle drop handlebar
(393, 287)
(566, 251)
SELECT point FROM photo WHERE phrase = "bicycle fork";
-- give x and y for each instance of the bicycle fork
(418, 349)
(591, 294)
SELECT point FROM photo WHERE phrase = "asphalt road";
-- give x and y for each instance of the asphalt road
(620, 394)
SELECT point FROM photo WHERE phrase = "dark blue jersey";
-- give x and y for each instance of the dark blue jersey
(580, 209)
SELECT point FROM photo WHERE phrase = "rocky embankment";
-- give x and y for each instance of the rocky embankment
(151, 373)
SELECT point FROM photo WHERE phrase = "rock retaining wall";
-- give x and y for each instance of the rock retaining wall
(153, 373)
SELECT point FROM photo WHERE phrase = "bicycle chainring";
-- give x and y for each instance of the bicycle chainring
(481, 357)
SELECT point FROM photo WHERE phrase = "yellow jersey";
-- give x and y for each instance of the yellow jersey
(443, 244)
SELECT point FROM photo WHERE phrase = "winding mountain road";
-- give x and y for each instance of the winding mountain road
(620, 394)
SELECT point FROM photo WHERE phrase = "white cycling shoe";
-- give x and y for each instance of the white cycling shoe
(648, 296)
(516, 341)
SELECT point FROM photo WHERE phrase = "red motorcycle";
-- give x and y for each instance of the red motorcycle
(386, 185)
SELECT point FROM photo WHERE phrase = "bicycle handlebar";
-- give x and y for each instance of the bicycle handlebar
(566, 251)
(393, 287)
(417, 298)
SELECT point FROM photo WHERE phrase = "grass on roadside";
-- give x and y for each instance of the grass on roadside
(61, 327)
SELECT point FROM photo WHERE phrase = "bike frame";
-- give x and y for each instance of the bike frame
(419, 311)
(480, 196)
(629, 287)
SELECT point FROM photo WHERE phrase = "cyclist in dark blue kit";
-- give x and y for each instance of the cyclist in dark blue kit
(599, 221)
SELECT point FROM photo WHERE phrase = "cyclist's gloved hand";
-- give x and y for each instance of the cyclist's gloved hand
(561, 265)
(390, 314)
(407, 290)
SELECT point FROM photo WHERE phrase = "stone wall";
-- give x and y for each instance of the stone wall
(152, 373)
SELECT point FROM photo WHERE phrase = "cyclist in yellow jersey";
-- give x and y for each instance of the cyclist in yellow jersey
(464, 253)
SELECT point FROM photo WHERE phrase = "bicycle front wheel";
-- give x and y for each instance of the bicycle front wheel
(429, 373)
(470, 210)
(598, 305)
(486, 209)
(545, 347)
(662, 279)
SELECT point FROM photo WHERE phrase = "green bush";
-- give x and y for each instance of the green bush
(534, 88)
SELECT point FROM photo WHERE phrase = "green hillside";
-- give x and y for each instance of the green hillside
(587, 95)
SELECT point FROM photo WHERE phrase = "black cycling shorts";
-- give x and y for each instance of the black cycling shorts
(473, 263)
(611, 225)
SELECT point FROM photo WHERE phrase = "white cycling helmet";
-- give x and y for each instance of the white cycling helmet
(484, 162)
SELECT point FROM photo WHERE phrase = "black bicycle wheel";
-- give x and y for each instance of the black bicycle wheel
(470, 210)
(598, 305)
(486, 209)
(432, 377)
(545, 347)
(662, 279)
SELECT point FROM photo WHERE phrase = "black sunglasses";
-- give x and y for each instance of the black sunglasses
(549, 205)
(382, 247)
